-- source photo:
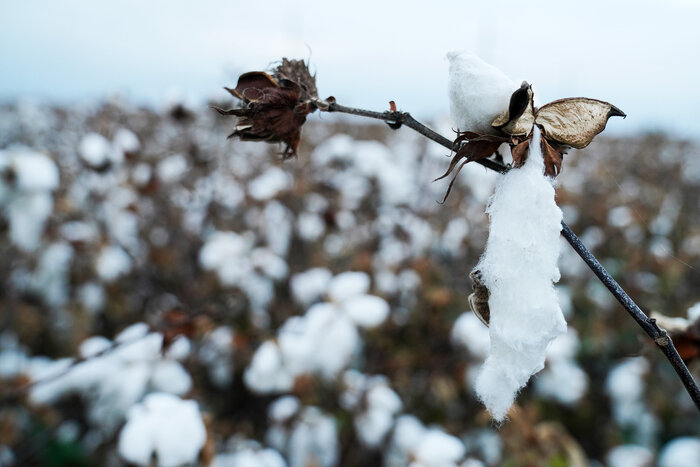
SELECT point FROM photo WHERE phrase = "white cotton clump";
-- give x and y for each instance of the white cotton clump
(563, 380)
(471, 333)
(237, 263)
(126, 141)
(478, 92)
(249, 457)
(34, 171)
(436, 448)
(366, 311)
(374, 404)
(630, 455)
(115, 375)
(519, 268)
(25, 194)
(625, 386)
(166, 425)
(269, 184)
(313, 440)
(310, 285)
(172, 168)
(27, 213)
(283, 409)
(415, 445)
(95, 150)
(694, 313)
(216, 352)
(51, 280)
(310, 226)
(681, 452)
(323, 341)
(347, 284)
(266, 373)
(112, 262)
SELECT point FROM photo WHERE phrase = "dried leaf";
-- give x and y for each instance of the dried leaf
(519, 117)
(575, 121)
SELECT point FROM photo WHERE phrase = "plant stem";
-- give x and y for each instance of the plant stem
(660, 337)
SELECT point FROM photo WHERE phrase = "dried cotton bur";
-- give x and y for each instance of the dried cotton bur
(275, 106)
(514, 281)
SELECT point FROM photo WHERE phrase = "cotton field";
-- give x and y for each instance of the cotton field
(171, 297)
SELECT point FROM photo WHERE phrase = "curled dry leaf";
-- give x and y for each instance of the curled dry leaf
(575, 121)
(274, 107)
(479, 300)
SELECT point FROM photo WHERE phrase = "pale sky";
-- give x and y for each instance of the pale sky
(642, 55)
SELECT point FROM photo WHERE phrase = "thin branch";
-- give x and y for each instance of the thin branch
(649, 325)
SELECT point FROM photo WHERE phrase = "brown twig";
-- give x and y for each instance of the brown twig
(396, 119)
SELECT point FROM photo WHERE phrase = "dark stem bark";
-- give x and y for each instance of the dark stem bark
(659, 336)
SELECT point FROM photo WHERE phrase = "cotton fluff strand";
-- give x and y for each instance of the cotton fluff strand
(519, 268)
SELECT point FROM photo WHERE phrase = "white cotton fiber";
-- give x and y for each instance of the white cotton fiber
(519, 268)
(478, 92)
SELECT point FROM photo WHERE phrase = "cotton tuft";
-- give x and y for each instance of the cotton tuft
(478, 92)
(519, 268)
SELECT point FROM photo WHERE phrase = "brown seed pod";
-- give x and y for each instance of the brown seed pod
(479, 300)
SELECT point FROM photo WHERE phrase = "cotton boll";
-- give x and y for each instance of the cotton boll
(436, 448)
(348, 284)
(271, 182)
(266, 373)
(283, 409)
(27, 213)
(112, 262)
(249, 457)
(478, 92)
(170, 376)
(94, 150)
(630, 455)
(519, 267)
(166, 425)
(314, 440)
(310, 285)
(471, 333)
(366, 311)
(694, 313)
(172, 168)
(126, 141)
(681, 452)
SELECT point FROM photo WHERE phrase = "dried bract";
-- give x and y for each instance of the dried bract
(576, 121)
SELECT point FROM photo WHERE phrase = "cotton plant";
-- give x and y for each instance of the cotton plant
(323, 341)
(514, 279)
(515, 276)
(112, 376)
